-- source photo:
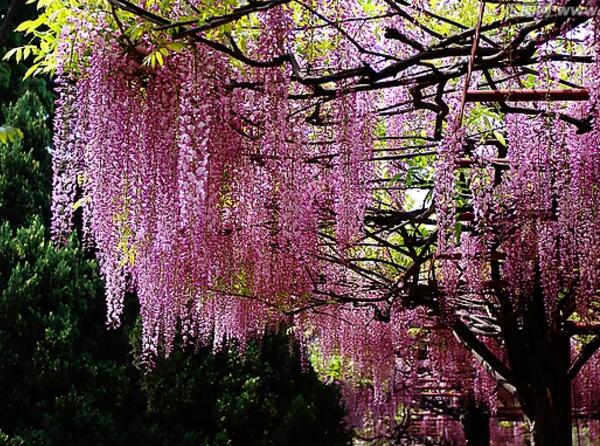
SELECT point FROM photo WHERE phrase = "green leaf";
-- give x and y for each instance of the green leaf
(23, 26)
(500, 137)
(159, 58)
(10, 53)
(80, 203)
(32, 71)
(10, 134)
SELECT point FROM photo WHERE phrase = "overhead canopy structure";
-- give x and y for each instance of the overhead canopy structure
(353, 170)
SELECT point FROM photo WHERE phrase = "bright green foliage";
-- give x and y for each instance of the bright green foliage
(54, 21)
(44, 30)
(9, 134)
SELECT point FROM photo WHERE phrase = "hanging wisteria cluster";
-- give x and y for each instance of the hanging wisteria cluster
(205, 199)
(542, 215)
(533, 212)
(233, 195)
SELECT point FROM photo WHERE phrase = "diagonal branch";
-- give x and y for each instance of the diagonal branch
(584, 356)
(489, 361)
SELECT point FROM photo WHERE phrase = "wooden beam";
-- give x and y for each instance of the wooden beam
(471, 61)
(582, 328)
(469, 162)
(495, 255)
(574, 94)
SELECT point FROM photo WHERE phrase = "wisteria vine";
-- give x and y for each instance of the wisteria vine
(237, 192)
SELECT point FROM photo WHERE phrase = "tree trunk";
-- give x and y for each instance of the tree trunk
(476, 425)
(550, 389)
(539, 353)
(551, 422)
(549, 393)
